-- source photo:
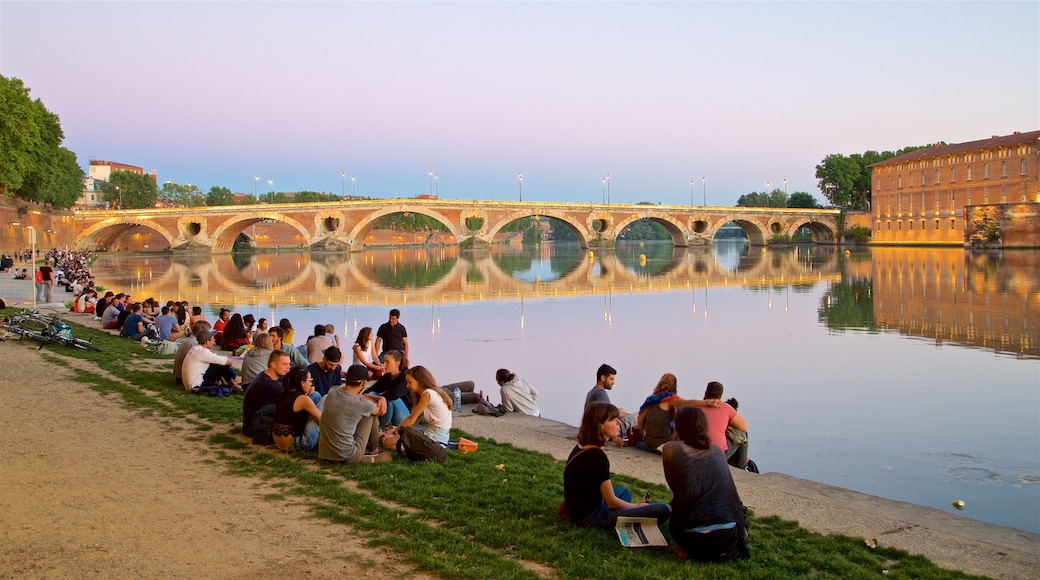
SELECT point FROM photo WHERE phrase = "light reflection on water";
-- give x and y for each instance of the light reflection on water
(911, 374)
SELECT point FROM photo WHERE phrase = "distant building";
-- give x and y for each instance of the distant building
(921, 197)
(100, 170)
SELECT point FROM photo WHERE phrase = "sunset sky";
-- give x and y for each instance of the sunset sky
(215, 93)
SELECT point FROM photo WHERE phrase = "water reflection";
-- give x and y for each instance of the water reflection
(984, 300)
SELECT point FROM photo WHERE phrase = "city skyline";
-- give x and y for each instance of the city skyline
(657, 95)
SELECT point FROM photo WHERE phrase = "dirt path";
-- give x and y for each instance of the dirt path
(90, 489)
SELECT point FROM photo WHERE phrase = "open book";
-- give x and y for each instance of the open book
(639, 532)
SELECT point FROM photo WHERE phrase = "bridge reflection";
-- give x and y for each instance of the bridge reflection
(428, 275)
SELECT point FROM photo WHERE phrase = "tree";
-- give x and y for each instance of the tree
(181, 195)
(219, 196)
(753, 199)
(777, 198)
(837, 176)
(802, 199)
(33, 164)
(135, 191)
(248, 199)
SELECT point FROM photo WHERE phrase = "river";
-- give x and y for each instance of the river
(911, 374)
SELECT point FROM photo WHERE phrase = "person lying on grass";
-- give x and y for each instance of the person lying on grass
(589, 497)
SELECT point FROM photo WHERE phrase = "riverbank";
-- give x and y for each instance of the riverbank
(946, 539)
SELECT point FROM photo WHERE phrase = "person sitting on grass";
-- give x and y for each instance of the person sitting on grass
(432, 404)
(708, 519)
(205, 368)
(263, 391)
(327, 373)
(349, 428)
(235, 334)
(589, 497)
(254, 361)
(393, 386)
(297, 413)
(134, 327)
(297, 359)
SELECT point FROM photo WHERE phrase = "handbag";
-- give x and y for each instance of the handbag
(417, 446)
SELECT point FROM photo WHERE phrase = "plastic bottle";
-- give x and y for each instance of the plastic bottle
(458, 399)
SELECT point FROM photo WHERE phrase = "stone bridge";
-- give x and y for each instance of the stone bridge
(344, 225)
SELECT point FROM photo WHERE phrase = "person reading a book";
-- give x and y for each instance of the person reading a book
(589, 497)
(708, 519)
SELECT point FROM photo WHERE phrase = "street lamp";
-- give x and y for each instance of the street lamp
(704, 183)
(608, 188)
(603, 190)
(270, 183)
(437, 185)
(767, 194)
(256, 178)
(120, 194)
(343, 183)
(691, 193)
(431, 182)
(520, 183)
(353, 184)
(785, 185)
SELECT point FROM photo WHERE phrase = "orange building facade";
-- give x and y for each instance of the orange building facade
(921, 197)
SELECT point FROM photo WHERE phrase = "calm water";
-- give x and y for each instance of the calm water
(911, 374)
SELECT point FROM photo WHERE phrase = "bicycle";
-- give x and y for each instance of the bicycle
(47, 328)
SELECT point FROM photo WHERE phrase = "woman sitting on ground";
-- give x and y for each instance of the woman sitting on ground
(85, 302)
(288, 329)
(254, 361)
(589, 498)
(517, 394)
(658, 410)
(297, 415)
(432, 404)
(235, 334)
(393, 386)
(365, 355)
(708, 520)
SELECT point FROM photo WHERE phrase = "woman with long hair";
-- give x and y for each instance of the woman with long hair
(297, 415)
(516, 393)
(432, 404)
(287, 329)
(254, 361)
(708, 519)
(393, 387)
(235, 334)
(365, 355)
(589, 497)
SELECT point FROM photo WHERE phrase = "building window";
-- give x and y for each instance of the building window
(1003, 194)
(985, 195)
(936, 176)
(985, 170)
(953, 174)
(924, 179)
(911, 180)
(969, 173)
(936, 225)
(1023, 167)
(889, 226)
(953, 223)
(900, 180)
(968, 201)
(1003, 168)
(1023, 192)
(911, 224)
(922, 225)
(889, 186)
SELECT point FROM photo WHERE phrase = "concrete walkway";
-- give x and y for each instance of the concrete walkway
(947, 539)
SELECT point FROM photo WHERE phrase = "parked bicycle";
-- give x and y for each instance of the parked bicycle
(47, 328)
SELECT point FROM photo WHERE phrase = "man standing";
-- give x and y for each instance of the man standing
(203, 367)
(605, 376)
(349, 430)
(47, 275)
(721, 417)
(392, 336)
(295, 358)
(263, 392)
(327, 373)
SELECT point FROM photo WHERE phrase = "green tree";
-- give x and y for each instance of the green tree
(838, 175)
(753, 199)
(179, 195)
(219, 196)
(249, 199)
(33, 164)
(777, 198)
(802, 199)
(129, 190)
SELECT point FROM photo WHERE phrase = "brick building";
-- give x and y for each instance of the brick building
(924, 197)
(101, 170)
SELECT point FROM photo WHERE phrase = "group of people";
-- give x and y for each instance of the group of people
(63, 268)
(707, 520)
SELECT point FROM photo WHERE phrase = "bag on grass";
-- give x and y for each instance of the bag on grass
(487, 409)
(415, 445)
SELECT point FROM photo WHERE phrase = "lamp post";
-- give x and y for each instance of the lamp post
(120, 194)
(436, 185)
(256, 178)
(767, 194)
(603, 190)
(704, 184)
(431, 182)
(343, 183)
(520, 183)
(608, 188)
(270, 183)
(353, 184)
(691, 193)
(785, 185)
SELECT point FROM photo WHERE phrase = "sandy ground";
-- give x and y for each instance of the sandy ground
(89, 489)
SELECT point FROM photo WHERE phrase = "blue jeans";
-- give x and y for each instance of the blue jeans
(308, 440)
(606, 518)
(396, 411)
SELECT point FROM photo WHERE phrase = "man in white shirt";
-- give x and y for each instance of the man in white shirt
(203, 367)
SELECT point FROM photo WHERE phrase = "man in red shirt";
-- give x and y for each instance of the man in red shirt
(721, 417)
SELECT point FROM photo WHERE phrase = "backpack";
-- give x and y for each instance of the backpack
(415, 445)
(488, 410)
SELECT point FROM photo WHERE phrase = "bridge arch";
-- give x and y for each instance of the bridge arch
(821, 232)
(578, 228)
(223, 238)
(755, 234)
(103, 233)
(355, 238)
(675, 228)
